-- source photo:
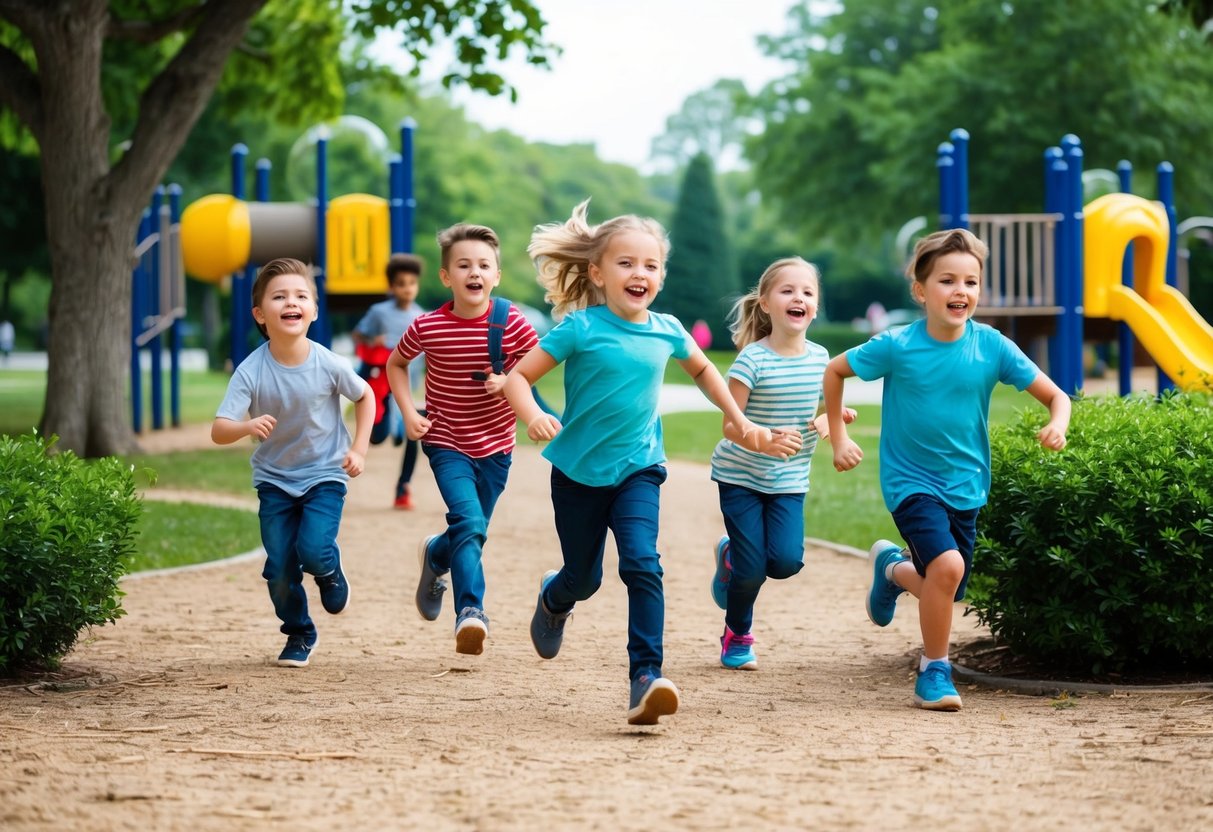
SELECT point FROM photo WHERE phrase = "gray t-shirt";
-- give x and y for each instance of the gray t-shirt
(310, 439)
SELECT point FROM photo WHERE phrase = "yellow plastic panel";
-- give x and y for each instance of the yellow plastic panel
(359, 243)
(215, 235)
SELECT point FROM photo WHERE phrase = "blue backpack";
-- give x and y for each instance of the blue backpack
(498, 315)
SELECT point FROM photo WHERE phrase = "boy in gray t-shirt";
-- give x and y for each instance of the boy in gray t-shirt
(287, 396)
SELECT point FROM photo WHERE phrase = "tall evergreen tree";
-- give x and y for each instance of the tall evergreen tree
(701, 280)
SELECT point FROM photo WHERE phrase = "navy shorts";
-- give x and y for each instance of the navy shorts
(930, 527)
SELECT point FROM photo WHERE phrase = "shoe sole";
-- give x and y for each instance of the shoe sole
(946, 703)
(422, 548)
(750, 665)
(660, 700)
(469, 638)
(719, 558)
(296, 662)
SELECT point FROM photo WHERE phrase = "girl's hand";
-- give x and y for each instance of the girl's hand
(494, 382)
(821, 425)
(1052, 437)
(417, 427)
(353, 464)
(847, 455)
(261, 426)
(545, 427)
(784, 443)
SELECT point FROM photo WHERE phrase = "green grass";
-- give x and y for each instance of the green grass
(179, 534)
(223, 469)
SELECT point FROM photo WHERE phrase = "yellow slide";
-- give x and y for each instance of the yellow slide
(1174, 334)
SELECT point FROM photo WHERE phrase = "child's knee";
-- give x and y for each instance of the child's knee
(947, 570)
(784, 566)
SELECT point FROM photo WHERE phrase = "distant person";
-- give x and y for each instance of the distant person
(375, 336)
(607, 455)
(287, 396)
(8, 336)
(939, 372)
(701, 334)
(776, 381)
(468, 429)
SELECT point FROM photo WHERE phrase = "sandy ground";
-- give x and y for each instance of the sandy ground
(182, 720)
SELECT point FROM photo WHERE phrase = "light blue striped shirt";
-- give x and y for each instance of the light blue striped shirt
(784, 390)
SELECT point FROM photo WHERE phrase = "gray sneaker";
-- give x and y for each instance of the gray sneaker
(547, 627)
(430, 586)
(471, 629)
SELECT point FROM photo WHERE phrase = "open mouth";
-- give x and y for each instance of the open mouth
(637, 291)
(292, 316)
(475, 286)
(958, 306)
(796, 313)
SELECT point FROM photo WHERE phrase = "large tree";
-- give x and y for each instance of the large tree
(71, 70)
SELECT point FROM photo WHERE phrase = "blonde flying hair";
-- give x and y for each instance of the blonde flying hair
(747, 321)
(563, 251)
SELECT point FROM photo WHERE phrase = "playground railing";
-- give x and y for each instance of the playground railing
(1020, 276)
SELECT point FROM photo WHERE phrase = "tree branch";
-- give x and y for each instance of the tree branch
(150, 31)
(20, 90)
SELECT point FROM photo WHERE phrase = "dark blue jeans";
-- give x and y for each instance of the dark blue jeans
(470, 488)
(766, 540)
(630, 510)
(299, 535)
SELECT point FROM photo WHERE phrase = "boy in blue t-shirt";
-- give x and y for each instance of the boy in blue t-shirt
(938, 375)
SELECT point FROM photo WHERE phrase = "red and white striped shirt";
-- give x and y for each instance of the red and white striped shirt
(462, 415)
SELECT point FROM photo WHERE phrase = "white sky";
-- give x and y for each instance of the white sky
(627, 66)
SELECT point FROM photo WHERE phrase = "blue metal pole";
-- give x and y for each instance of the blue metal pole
(945, 163)
(1126, 344)
(138, 281)
(407, 183)
(1073, 311)
(960, 138)
(241, 280)
(1166, 195)
(175, 333)
(1056, 172)
(320, 330)
(155, 345)
(395, 202)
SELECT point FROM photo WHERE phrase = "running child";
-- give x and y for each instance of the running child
(938, 375)
(467, 431)
(607, 456)
(776, 381)
(287, 396)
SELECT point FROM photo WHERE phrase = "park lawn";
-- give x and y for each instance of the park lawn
(181, 534)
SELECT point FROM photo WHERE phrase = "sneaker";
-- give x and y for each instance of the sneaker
(547, 627)
(934, 690)
(471, 629)
(298, 651)
(737, 652)
(882, 597)
(404, 502)
(724, 572)
(652, 697)
(430, 586)
(334, 590)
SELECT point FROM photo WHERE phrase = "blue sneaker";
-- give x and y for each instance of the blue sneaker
(882, 597)
(934, 689)
(652, 697)
(737, 652)
(471, 629)
(724, 572)
(298, 651)
(334, 590)
(430, 586)
(547, 627)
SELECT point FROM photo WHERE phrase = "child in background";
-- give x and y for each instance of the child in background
(776, 381)
(607, 456)
(287, 395)
(376, 335)
(467, 431)
(938, 375)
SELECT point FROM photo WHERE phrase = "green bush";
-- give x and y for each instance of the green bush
(1100, 558)
(67, 529)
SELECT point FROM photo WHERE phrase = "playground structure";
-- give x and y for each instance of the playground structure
(1114, 259)
(349, 238)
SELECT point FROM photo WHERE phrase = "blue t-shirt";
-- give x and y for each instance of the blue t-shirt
(386, 318)
(612, 378)
(784, 390)
(934, 423)
(309, 440)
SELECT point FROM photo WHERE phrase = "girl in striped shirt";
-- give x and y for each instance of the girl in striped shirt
(776, 381)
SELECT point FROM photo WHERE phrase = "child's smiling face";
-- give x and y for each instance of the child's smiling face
(471, 273)
(629, 274)
(288, 306)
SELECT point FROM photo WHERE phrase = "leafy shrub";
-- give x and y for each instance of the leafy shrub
(67, 529)
(1100, 557)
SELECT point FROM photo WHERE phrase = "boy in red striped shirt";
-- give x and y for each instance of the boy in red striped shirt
(467, 429)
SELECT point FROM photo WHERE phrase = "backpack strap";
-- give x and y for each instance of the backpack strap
(498, 315)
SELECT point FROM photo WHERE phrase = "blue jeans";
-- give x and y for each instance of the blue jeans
(470, 488)
(299, 535)
(630, 510)
(766, 540)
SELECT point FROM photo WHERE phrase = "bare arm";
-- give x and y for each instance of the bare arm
(364, 417)
(415, 425)
(846, 453)
(745, 433)
(1045, 391)
(227, 431)
(533, 366)
(784, 441)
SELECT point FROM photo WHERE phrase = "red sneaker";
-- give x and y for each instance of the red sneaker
(404, 502)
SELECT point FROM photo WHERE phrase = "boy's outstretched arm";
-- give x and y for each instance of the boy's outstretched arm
(846, 453)
(1045, 391)
(364, 418)
(747, 434)
(415, 425)
(226, 431)
(533, 366)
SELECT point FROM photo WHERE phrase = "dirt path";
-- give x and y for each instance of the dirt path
(185, 723)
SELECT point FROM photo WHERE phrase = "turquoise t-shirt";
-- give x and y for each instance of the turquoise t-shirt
(934, 423)
(612, 378)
